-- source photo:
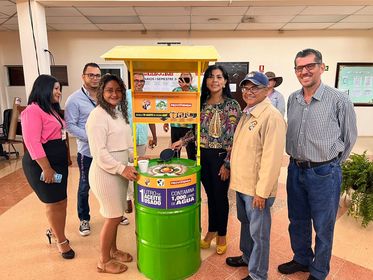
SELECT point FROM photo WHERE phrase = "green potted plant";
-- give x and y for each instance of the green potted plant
(357, 183)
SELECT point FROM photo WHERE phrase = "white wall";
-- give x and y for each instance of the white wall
(274, 50)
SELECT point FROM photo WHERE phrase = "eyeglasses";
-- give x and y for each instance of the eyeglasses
(139, 81)
(93, 76)
(253, 89)
(111, 91)
(185, 80)
(309, 67)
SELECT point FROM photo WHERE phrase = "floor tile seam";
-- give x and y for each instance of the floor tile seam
(217, 266)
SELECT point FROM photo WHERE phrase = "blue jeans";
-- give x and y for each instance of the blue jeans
(313, 197)
(255, 233)
(84, 164)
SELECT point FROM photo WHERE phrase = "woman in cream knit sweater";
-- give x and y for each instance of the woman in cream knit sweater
(109, 137)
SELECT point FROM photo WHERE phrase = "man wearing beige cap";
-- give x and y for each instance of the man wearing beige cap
(276, 97)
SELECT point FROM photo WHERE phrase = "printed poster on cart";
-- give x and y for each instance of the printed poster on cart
(167, 193)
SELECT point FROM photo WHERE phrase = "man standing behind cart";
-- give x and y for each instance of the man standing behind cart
(179, 130)
(256, 158)
(141, 136)
(77, 109)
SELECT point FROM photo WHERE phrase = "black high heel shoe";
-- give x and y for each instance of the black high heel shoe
(49, 235)
(69, 254)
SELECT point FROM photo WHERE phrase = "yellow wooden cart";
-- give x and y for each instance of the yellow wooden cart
(167, 206)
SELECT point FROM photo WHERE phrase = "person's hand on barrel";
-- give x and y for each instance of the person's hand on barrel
(130, 173)
(177, 145)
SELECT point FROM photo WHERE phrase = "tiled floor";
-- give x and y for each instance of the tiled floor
(25, 253)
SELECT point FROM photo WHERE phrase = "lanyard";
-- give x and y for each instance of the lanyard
(58, 118)
(90, 100)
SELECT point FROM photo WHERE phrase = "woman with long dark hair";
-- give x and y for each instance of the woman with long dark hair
(45, 162)
(110, 137)
(220, 114)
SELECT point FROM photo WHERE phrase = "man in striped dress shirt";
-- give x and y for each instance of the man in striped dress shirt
(321, 133)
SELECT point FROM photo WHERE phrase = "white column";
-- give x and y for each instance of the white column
(34, 40)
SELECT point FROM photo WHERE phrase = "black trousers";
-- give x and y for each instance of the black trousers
(176, 134)
(216, 189)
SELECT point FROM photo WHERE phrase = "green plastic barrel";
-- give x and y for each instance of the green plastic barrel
(168, 219)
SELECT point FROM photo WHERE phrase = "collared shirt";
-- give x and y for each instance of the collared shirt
(324, 128)
(141, 129)
(278, 101)
(38, 127)
(77, 109)
(179, 89)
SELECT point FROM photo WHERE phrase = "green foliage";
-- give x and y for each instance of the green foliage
(358, 182)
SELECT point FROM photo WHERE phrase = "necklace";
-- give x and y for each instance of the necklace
(215, 123)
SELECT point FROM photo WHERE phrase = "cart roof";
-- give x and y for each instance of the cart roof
(163, 58)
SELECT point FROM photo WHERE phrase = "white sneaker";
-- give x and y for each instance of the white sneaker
(124, 221)
(84, 228)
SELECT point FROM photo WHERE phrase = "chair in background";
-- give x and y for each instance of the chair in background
(4, 133)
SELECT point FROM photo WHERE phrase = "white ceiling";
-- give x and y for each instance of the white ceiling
(233, 15)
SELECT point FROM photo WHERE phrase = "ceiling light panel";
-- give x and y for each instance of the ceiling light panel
(330, 10)
(214, 26)
(75, 20)
(218, 19)
(306, 26)
(358, 18)
(73, 27)
(259, 26)
(158, 11)
(352, 25)
(112, 19)
(216, 11)
(165, 19)
(121, 27)
(278, 11)
(318, 18)
(61, 12)
(110, 11)
(160, 26)
(272, 19)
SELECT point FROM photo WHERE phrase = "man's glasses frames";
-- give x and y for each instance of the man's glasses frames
(253, 89)
(309, 67)
(93, 76)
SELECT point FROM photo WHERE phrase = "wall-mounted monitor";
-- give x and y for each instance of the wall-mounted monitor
(356, 79)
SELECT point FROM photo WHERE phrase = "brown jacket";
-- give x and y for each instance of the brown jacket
(257, 151)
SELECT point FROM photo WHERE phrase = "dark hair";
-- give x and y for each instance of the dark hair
(307, 52)
(106, 106)
(205, 92)
(90, 64)
(41, 94)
